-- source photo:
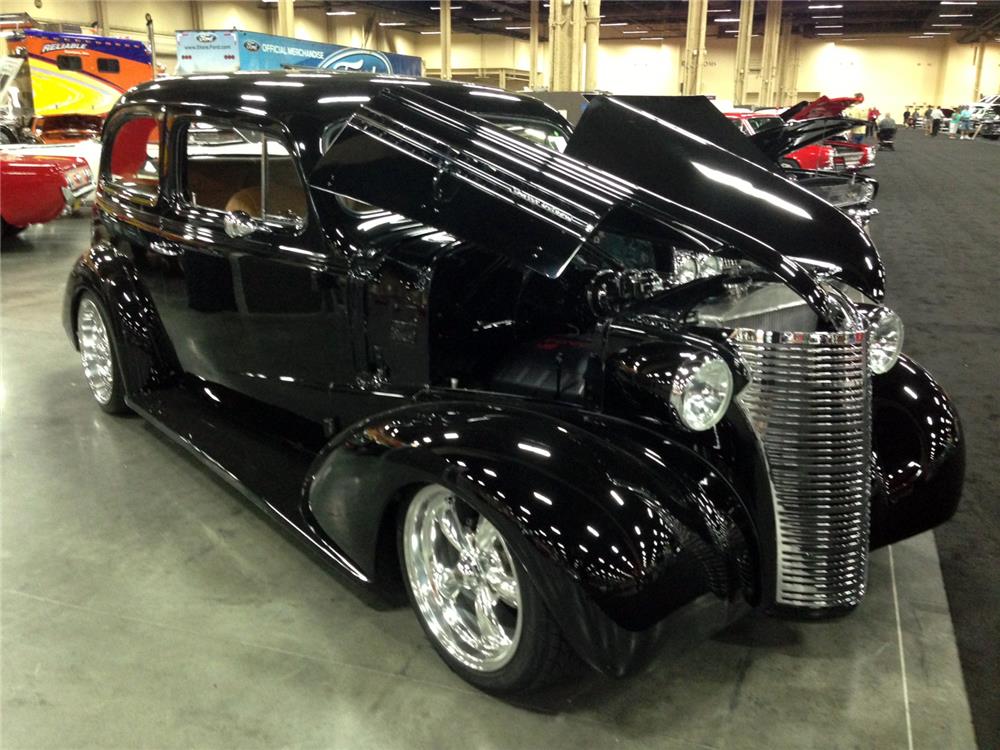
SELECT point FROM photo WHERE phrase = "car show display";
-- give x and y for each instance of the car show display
(553, 396)
(578, 374)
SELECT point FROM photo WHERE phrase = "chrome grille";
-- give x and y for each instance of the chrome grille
(810, 402)
(851, 157)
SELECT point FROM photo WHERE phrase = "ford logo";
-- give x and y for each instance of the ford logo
(206, 38)
(251, 45)
(359, 61)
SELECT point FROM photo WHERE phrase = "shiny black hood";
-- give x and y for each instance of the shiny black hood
(428, 161)
(735, 198)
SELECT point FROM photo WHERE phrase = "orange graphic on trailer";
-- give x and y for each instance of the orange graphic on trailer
(80, 73)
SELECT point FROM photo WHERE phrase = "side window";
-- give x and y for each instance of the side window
(134, 162)
(234, 168)
(69, 62)
(108, 65)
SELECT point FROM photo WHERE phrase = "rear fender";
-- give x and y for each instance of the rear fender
(615, 520)
(145, 354)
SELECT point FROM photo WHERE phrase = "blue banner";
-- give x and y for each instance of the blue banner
(226, 51)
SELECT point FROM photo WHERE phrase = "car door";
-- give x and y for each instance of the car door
(261, 295)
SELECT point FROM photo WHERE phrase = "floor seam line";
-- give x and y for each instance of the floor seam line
(902, 654)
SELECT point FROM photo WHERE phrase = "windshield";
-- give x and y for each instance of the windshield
(539, 132)
(758, 124)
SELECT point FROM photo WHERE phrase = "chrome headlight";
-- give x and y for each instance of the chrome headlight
(690, 265)
(702, 392)
(885, 339)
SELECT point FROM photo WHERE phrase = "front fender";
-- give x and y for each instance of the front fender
(919, 454)
(620, 525)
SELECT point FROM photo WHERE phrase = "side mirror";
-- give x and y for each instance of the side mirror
(239, 224)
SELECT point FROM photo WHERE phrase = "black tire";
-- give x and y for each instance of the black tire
(541, 657)
(9, 230)
(114, 401)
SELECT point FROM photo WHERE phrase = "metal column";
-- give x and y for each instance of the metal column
(743, 41)
(576, 31)
(533, 45)
(694, 47)
(979, 54)
(593, 42)
(788, 66)
(286, 18)
(769, 58)
(555, 43)
(446, 40)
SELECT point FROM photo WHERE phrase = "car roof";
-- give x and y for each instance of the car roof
(285, 94)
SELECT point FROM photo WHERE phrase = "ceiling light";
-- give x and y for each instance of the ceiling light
(341, 13)
(853, 39)
(918, 36)
(651, 39)
(818, 17)
(731, 31)
(953, 25)
(642, 31)
(721, 10)
(829, 26)
(453, 7)
(392, 23)
(825, 7)
(958, 2)
(516, 28)
(429, 33)
(727, 20)
(955, 15)
(937, 33)
(491, 18)
(831, 33)
(615, 23)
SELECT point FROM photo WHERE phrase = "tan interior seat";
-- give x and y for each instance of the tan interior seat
(285, 196)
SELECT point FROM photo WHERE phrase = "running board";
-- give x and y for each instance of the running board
(268, 468)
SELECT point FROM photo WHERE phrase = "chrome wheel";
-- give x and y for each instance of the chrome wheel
(463, 579)
(95, 351)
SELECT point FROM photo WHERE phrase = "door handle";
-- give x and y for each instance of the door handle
(170, 249)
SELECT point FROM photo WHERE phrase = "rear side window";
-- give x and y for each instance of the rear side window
(69, 62)
(108, 65)
(234, 168)
(134, 162)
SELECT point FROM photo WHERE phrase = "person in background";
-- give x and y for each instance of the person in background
(928, 121)
(965, 124)
(937, 116)
(873, 114)
(858, 129)
(906, 119)
(956, 116)
(887, 123)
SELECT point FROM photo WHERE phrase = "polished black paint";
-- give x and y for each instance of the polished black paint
(770, 219)
(448, 360)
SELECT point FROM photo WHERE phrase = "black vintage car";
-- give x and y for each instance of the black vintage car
(552, 384)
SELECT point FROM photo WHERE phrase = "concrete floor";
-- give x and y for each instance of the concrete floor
(145, 604)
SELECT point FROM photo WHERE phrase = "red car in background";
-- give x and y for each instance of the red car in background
(36, 189)
(832, 154)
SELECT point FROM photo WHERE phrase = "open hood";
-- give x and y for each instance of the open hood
(624, 168)
(822, 107)
(777, 142)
